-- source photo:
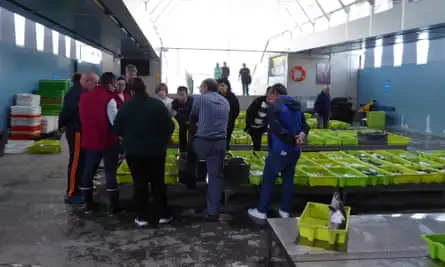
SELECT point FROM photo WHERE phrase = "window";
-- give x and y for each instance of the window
(67, 46)
(311, 8)
(55, 42)
(328, 5)
(423, 46)
(78, 50)
(359, 10)
(347, 2)
(321, 24)
(398, 51)
(382, 5)
(19, 28)
(40, 37)
(362, 55)
(378, 53)
(338, 18)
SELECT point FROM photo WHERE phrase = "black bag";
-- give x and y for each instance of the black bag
(236, 171)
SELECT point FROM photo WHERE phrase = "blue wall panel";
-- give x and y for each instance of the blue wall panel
(416, 91)
(21, 68)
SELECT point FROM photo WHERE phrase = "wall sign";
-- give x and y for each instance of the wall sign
(387, 87)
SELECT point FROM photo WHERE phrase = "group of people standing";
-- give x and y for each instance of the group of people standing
(104, 117)
(244, 75)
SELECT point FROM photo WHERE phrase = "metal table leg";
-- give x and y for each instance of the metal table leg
(269, 248)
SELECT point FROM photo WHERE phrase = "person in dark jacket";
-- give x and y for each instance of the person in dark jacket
(322, 108)
(131, 72)
(225, 90)
(287, 132)
(69, 122)
(98, 109)
(225, 71)
(145, 125)
(181, 108)
(256, 124)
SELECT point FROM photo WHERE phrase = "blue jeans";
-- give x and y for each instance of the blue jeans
(110, 156)
(213, 152)
(275, 164)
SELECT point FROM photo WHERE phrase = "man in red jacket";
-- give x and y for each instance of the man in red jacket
(98, 109)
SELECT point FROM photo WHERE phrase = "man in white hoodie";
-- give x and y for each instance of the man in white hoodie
(162, 93)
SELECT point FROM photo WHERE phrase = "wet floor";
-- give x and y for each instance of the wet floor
(38, 229)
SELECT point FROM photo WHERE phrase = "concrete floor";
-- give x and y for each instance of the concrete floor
(38, 229)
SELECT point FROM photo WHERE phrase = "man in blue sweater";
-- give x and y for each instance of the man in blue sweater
(286, 133)
(322, 108)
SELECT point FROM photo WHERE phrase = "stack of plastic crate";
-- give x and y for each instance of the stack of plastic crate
(52, 93)
(26, 117)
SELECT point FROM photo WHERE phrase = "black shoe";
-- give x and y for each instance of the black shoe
(90, 208)
(212, 218)
(115, 210)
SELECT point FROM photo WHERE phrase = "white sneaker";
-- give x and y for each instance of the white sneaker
(165, 220)
(283, 214)
(140, 222)
(257, 214)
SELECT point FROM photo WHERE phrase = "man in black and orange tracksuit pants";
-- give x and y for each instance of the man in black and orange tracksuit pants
(69, 122)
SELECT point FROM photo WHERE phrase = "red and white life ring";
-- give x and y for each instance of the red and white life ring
(298, 74)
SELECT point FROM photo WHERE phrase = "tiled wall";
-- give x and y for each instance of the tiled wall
(22, 66)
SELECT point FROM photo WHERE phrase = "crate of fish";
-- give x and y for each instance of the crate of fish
(428, 175)
(349, 177)
(376, 176)
(319, 176)
(401, 175)
(314, 224)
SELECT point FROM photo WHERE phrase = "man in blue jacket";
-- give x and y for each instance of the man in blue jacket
(322, 108)
(69, 122)
(287, 131)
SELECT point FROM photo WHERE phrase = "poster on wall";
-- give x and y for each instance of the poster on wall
(323, 73)
(277, 69)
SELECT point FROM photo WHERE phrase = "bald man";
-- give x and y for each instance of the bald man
(69, 121)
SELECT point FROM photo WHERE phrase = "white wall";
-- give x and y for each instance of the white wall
(344, 74)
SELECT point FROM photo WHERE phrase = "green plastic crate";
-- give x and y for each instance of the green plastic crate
(313, 155)
(398, 140)
(337, 155)
(427, 163)
(319, 176)
(301, 178)
(349, 141)
(354, 163)
(331, 140)
(404, 154)
(349, 177)
(306, 162)
(376, 175)
(315, 140)
(401, 174)
(328, 163)
(431, 175)
(436, 246)
(314, 221)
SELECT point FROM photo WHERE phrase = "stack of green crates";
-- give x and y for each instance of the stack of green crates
(51, 95)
